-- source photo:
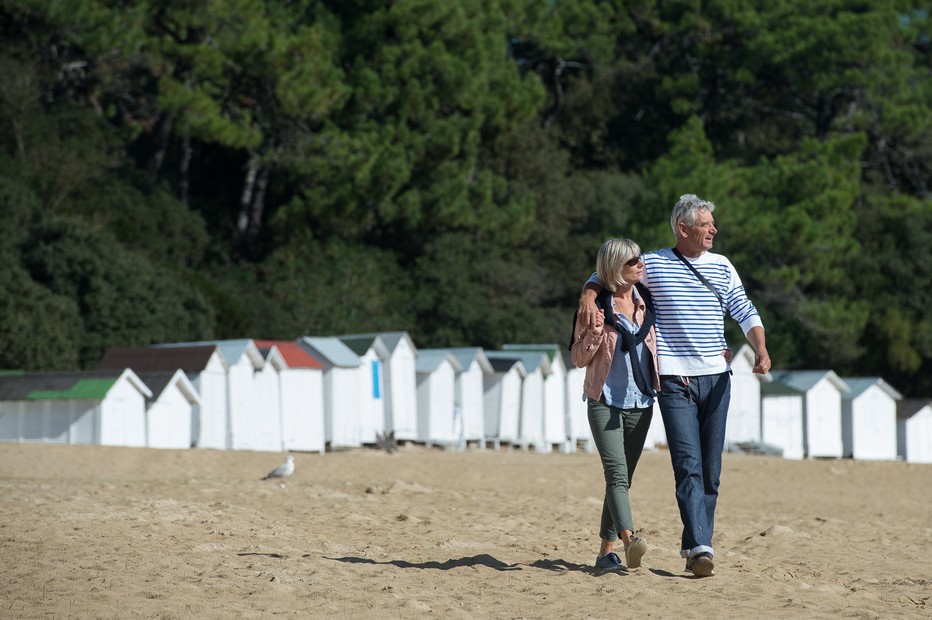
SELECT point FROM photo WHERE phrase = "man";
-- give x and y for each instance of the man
(695, 379)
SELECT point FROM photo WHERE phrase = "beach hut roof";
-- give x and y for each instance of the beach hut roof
(292, 353)
(82, 385)
(801, 381)
(158, 382)
(232, 350)
(431, 360)
(551, 350)
(504, 364)
(361, 343)
(532, 360)
(390, 340)
(466, 356)
(908, 407)
(393, 339)
(858, 386)
(150, 359)
(331, 349)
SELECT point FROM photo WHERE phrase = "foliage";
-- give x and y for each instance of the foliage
(237, 168)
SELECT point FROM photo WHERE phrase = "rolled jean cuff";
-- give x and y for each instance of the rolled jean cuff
(688, 553)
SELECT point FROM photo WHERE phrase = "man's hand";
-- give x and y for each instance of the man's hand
(588, 313)
(761, 357)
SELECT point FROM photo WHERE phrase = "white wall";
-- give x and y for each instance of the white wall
(782, 424)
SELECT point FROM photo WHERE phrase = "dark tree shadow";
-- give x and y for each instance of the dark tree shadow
(483, 560)
(476, 560)
(666, 573)
(270, 555)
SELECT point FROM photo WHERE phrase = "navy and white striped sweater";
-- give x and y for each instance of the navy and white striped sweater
(690, 321)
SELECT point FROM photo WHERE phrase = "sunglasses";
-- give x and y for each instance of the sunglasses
(634, 261)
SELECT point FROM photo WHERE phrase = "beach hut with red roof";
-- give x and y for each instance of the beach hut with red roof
(301, 382)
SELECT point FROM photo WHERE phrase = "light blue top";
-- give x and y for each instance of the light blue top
(620, 389)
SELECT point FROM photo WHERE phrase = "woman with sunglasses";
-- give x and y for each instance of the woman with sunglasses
(619, 353)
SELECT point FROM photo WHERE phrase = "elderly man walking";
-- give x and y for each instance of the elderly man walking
(692, 289)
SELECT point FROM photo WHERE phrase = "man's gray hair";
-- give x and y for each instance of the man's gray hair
(685, 211)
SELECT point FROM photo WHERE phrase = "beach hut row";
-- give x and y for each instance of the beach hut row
(328, 393)
(311, 394)
(819, 414)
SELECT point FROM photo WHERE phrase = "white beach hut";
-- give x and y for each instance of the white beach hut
(531, 417)
(267, 394)
(914, 430)
(100, 407)
(744, 408)
(782, 419)
(556, 419)
(245, 412)
(302, 397)
(578, 430)
(373, 356)
(502, 399)
(656, 433)
(206, 369)
(868, 419)
(439, 421)
(801, 413)
(170, 409)
(341, 370)
(469, 397)
(399, 381)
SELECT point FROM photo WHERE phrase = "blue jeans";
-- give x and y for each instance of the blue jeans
(694, 410)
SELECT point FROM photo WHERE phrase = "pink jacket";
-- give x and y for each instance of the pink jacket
(594, 353)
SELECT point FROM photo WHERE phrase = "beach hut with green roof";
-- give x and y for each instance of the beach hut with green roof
(92, 407)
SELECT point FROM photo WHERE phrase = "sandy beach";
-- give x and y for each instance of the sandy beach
(96, 532)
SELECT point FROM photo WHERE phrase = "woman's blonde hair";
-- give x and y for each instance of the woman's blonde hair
(611, 259)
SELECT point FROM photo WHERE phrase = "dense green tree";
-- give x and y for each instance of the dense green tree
(123, 299)
(240, 168)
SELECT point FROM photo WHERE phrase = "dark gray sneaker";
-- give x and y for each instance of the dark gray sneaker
(609, 561)
(701, 565)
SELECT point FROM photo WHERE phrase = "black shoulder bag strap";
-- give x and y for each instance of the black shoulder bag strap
(699, 275)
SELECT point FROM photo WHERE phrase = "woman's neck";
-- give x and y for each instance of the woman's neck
(623, 291)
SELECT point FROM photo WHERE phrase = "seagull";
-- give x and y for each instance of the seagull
(282, 471)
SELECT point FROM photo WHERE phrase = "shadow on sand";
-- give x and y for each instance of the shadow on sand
(482, 560)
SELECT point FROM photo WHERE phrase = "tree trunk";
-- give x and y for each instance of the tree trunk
(184, 169)
(162, 140)
(249, 186)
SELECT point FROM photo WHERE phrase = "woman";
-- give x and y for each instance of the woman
(622, 377)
